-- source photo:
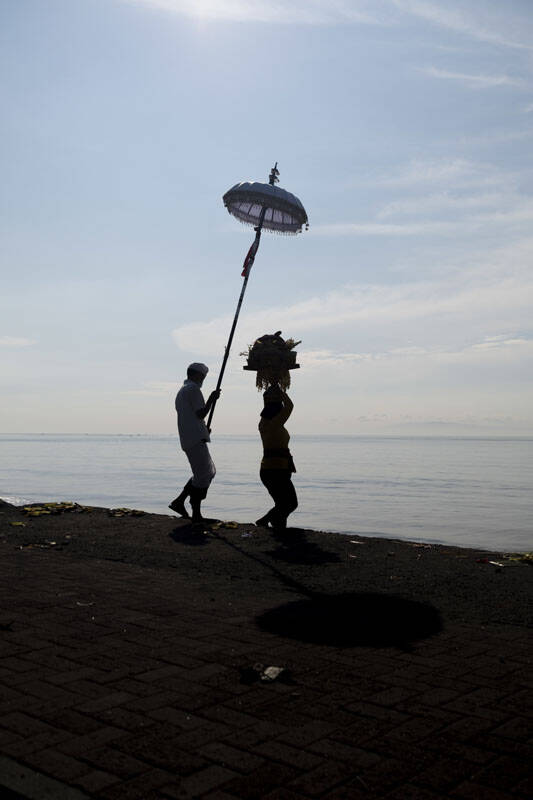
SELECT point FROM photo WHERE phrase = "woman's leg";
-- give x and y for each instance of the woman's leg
(281, 488)
(266, 476)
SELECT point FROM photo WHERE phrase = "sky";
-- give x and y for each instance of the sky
(405, 127)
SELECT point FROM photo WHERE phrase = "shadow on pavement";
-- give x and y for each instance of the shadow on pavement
(353, 620)
(294, 548)
(192, 535)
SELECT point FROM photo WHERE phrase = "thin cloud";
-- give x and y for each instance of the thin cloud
(392, 229)
(302, 12)
(456, 172)
(521, 213)
(474, 81)
(484, 296)
(494, 348)
(499, 27)
(154, 389)
(439, 203)
(464, 198)
(15, 341)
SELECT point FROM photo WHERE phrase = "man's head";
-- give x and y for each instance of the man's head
(196, 372)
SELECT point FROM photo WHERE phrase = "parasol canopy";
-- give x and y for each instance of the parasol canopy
(284, 213)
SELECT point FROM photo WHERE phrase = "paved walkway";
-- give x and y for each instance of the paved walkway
(119, 680)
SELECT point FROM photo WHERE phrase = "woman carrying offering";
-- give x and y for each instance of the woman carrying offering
(277, 465)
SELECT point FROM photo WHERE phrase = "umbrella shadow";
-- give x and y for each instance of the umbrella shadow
(352, 619)
(294, 548)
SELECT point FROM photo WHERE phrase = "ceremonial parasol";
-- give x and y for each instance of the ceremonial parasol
(261, 205)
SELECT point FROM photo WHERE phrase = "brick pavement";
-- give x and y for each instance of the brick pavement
(120, 681)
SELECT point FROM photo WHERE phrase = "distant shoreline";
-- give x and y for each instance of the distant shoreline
(172, 434)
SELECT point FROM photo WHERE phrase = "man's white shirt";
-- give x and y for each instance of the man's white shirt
(191, 428)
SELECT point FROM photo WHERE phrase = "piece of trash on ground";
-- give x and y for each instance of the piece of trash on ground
(44, 509)
(18, 524)
(261, 673)
(519, 558)
(354, 541)
(125, 512)
(229, 524)
(271, 673)
(511, 560)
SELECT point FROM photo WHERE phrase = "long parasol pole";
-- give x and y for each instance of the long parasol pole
(246, 272)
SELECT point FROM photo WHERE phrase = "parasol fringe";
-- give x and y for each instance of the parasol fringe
(266, 228)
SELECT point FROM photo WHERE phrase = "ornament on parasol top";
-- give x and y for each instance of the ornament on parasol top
(264, 206)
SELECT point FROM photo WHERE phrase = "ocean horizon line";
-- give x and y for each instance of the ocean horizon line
(406, 435)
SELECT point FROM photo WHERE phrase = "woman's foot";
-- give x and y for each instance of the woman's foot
(279, 522)
(178, 506)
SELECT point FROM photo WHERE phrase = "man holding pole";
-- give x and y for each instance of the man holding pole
(194, 435)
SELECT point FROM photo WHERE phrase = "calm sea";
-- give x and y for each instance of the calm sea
(470, 492)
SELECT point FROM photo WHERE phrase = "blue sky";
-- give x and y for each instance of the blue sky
(404, 126)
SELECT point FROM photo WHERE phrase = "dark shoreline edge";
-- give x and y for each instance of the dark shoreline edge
(496, 552)
(234, 561)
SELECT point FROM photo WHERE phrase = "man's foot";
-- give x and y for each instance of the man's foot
(179, 507)
(263, 521)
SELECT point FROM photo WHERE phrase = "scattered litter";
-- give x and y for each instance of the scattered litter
(41, 545)
(33, 546)
(258, 672)
(519, 558)
(125, 512)
(18, 524)
(45, 509)
(84, 604)
(246, 534)
(351, 556)
(508, 560)
(354, 541)
(229, 524)
(271, 673)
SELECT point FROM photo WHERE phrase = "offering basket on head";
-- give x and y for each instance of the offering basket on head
(272, 357)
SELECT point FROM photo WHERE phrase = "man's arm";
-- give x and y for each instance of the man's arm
(201, 413)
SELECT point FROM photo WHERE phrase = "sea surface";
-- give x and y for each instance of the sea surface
(464, 491)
